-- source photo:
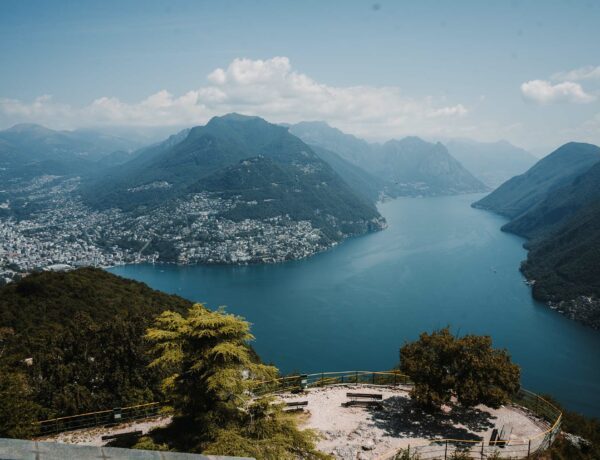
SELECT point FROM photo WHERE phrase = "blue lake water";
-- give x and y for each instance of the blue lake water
(439, 263)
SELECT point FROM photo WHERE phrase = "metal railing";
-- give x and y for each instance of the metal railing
(99, 418)
(536, 407)
(321, 379)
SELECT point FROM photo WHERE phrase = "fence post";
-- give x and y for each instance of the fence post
(395, 375)
(446, 451)
(529, 449)
(373, 378)
(482, 446)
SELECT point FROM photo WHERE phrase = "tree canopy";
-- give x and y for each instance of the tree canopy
(209, 373)
(468, 369)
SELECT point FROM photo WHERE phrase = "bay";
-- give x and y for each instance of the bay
(439, 263)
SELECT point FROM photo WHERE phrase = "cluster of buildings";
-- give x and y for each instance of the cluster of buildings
(61, 232)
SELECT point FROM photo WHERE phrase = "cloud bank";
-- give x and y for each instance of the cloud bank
(582, 73)
(544, 92)
(269, 88)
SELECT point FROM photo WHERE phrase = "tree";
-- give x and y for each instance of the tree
(209, 374)
(17, 411)
(468, 369)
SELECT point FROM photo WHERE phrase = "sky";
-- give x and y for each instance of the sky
(524, 71)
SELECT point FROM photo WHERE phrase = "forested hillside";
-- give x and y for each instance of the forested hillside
(81, 333)
(556, 205)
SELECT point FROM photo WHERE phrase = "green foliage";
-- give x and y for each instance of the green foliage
(147, 443)
(83, 331)
(17, 411)
(468, 369)
(579, 425)
(406, 454)
(209, 372)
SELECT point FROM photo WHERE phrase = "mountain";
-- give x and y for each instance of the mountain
(521, 193)
(418, 167)
(347, 146)
(559, 206)
(556, 205)
(409, 166)
(84, 331)
(270, 171)
(564, 268)
(360, 181)
(29, 150)
(491, 162)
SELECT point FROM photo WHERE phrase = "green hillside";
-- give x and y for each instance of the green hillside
(246, 157)
(83, 329)
(556, 205)
(521, 193)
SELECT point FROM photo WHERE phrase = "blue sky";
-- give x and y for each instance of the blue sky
(527, 71)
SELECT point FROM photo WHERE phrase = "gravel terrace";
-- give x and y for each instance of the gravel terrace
(93, 436)
(369, 433)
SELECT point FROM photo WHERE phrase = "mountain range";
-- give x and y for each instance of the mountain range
(556, 205)
(270, 171)
(408, 167)
(29, 150)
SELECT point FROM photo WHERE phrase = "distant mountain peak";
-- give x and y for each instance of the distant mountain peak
(28, 127)
(235, 117)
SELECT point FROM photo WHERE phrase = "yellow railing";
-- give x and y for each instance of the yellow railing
(436, 449)
(98, 418)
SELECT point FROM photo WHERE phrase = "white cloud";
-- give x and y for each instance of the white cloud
(544, 92)
(583, 73)
(269, 88)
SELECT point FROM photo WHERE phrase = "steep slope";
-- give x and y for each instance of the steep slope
(84, 332)
(491, 162)
(565, 266)
(409, 166)
(559, 206)
(521, 193)
(360, 181)
(347, 146)
(272, 190)
(418, 167)
(238, 153)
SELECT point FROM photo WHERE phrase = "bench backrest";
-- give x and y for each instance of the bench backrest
(364, 395)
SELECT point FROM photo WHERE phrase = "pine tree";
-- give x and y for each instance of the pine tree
(209, 374)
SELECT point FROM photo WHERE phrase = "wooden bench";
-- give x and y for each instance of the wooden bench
(127, 434)
(295, 406)
(364, 399)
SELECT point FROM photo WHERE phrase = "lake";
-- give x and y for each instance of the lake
(439, 263)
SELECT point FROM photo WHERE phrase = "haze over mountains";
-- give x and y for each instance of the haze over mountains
(238, 184)
(556, 204)
(271, 172)
(28, 150)
(491, 162)
(410, 166)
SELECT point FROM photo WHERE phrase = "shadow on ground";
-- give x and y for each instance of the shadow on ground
(401, 417)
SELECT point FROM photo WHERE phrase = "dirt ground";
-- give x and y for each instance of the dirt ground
(367, 433)
(93, 436)
(371, 433)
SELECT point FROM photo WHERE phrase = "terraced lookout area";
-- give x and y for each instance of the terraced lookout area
(377, 421)
(370, 415)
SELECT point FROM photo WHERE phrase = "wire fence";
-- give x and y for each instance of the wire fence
(100, 418)
(536, 408)
(547, 416)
